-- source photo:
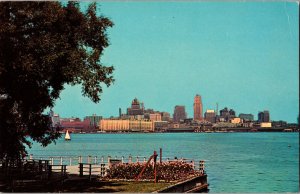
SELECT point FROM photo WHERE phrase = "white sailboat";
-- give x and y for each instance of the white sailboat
(67, 137)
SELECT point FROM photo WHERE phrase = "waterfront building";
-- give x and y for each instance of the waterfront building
(159, 125)
(179, 113)
(94, 120)
(198, 108)
(114, 125)
(279, 123)
(137, 108)
(246, 117)
(210, 116)
(141, 125)
(75, 124)
(265, 124)
(235, 120)
(264, 116)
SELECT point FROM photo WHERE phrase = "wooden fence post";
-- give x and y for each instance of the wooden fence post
(81, 169)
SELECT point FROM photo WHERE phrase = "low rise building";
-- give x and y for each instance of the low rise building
(141, 125)
(235, 120)
(266, 124)
(75, 125)
(158, 125)
(115, 125)
(246, 117)
(210, 116)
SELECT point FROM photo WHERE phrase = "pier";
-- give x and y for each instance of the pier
(58, 171)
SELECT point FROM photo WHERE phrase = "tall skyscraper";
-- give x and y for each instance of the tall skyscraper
(179, 113)
(198, 108)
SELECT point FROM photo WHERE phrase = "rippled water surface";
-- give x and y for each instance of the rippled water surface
(235, 162)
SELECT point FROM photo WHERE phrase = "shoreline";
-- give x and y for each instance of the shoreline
(189, 130)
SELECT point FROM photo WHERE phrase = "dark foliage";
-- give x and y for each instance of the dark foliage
(44, 45)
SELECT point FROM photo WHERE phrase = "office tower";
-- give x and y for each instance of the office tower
(137, 108)
(210, 116)
(264, 116)
(179, 113)
(198, 108)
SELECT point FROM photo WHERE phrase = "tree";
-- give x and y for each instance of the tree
(44, 45)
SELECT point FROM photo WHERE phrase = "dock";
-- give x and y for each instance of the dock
(85, 172)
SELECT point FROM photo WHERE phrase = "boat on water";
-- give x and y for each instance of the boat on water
(67, 136)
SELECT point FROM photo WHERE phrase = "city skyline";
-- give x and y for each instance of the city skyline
(240, 55)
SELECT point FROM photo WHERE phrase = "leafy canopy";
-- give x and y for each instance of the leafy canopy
(44, 45)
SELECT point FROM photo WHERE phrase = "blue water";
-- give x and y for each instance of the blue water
(235, 162)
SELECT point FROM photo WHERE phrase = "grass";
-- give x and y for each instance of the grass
(134, 187)
(115, 186)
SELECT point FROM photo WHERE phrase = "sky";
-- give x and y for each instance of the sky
(241, 55)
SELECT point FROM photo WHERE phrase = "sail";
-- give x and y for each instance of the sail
(67, 137)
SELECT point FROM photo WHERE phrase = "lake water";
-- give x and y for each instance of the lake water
(235, 162)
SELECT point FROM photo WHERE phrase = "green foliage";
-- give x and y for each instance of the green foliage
(44, 45)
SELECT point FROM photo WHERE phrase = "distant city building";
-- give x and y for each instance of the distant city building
(198, 108)
(165, 116)
(155, 117)
(149, 111)
(54, 119)
(158, 125)
(265, 124)
(75, 124)
(179, 113)
(136, 117)
(279, 124)
(246, 117)
(210, 116)
(114, 125)
(137, 108)
(235, 120)
(264, 116)
(226, 115)
(94, 120)
(188, 121)
(231, 113)
(111, 125)
(224, 112)
(141, 125)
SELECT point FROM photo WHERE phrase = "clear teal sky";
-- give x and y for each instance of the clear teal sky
(242, 55)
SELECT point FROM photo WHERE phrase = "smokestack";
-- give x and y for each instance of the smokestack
(120, 112)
